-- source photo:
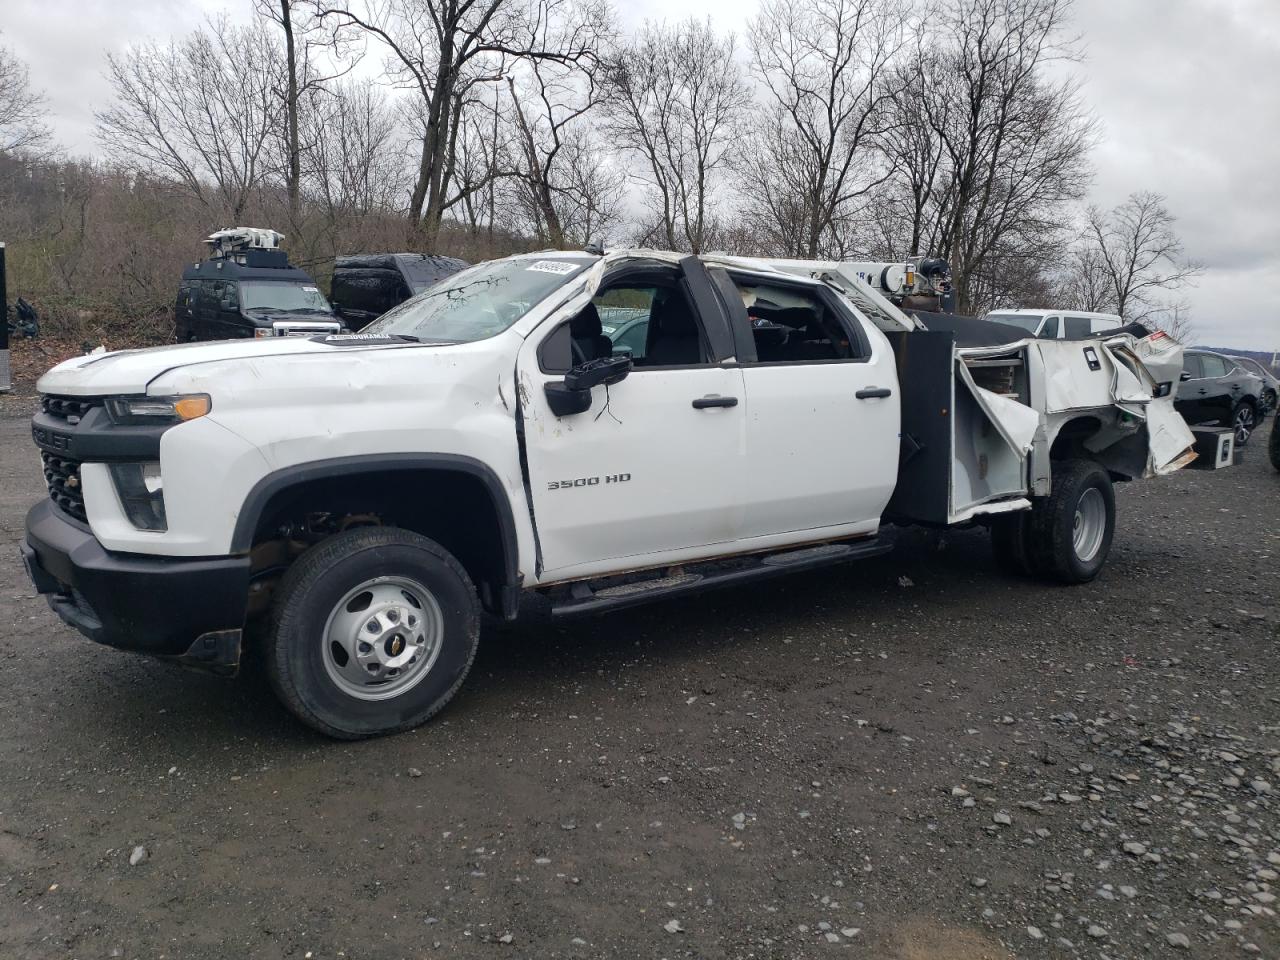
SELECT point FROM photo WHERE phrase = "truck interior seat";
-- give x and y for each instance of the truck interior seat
(589, 341)
(673, 337)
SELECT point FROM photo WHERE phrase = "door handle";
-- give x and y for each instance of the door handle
(873, 393)
(714, 400)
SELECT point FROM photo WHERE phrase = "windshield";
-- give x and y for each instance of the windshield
(274, 295)
(1029, 324)
(477, 303)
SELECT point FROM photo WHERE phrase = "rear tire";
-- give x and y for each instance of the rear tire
(1009, 543)
(1068, 533)
(373, 632)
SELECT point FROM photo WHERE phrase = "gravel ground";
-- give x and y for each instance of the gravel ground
(912, 758)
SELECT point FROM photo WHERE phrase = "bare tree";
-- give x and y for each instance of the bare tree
(300, 77)
(567, 188)
(1084, 284)
(201, 111)
(1174, 319)
(677, 96)
(22, 126)
(443, 50)
(999, 149)
(1137, 253)
(354, 164)
(827, 69)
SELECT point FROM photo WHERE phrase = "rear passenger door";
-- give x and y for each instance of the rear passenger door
(824, 412)
(206, 322)
(1219, 391)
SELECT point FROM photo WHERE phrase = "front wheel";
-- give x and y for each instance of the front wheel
(1069, 532)
(1273, 447)
(373, 632)
(1243, 422)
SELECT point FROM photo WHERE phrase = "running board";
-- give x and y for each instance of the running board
(694, 578)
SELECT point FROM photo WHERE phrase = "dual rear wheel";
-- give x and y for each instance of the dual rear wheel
(1066, 536)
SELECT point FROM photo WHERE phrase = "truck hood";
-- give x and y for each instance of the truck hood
(130, 371)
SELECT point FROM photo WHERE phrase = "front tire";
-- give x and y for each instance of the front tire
(1244, 420)
(374, 631)
(1273, 446)
(1069, 532)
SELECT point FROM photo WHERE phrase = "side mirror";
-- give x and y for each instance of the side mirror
(574, 394)
(593, 373)
(1185, 375)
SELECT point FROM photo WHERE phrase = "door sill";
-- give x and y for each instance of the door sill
(606, 594)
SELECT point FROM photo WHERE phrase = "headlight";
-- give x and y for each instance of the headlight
(145, 411)
(141, 493)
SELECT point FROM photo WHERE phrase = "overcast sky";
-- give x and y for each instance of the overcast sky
(1187, 92)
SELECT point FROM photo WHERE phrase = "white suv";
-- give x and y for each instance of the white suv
(1058, 324)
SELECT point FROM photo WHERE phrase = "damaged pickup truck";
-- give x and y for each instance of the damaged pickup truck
(353, 502)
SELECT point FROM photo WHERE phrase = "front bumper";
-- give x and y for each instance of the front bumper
(189, 609)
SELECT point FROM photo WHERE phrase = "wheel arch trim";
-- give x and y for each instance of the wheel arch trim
(280, 480)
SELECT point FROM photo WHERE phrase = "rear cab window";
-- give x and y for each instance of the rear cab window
(1076, 328)
(797, 323)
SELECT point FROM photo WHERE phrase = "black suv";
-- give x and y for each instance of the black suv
(365, 286)
(1214, 389)
(249, 293)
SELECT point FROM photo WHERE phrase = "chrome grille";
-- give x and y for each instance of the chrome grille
(62, 474)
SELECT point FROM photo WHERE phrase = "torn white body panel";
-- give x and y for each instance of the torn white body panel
(1101, 396)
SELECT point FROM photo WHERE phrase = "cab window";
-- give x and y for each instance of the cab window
(652, 322)
(1076, 328)
(624, 318)
(794, 324)
(1050, 329)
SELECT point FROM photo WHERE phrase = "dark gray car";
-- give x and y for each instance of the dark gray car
(1216, 390)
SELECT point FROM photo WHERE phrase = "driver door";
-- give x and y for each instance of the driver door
(651, 473)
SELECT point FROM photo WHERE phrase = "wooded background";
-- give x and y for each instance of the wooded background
(837, 129)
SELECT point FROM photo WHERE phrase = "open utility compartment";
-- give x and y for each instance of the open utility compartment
(966, 429)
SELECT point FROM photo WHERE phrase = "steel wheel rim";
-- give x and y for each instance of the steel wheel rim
(1090, 524)
(1244, 424)
(382, 638)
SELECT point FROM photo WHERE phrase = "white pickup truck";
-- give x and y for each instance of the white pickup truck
(356, 501)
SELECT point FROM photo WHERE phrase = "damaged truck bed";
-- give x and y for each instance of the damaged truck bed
(985, 412)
